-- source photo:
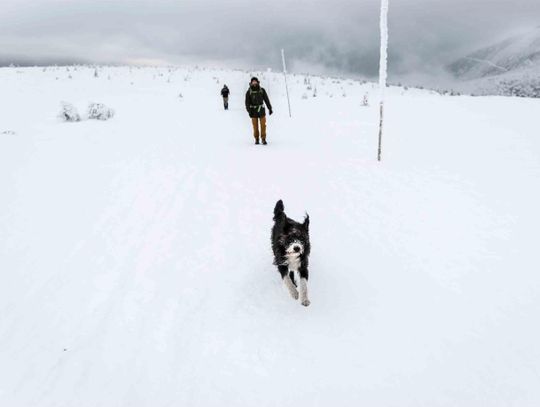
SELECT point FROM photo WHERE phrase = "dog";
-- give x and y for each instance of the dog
(291, 247)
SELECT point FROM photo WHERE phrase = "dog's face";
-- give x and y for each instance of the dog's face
(294, 247)
(296, 238)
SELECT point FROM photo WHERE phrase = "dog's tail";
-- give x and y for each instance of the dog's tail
(279, 210)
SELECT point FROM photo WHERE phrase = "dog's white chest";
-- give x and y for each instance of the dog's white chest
(293, 262)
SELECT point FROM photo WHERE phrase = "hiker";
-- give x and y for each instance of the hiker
(225, 93)
(256, 97)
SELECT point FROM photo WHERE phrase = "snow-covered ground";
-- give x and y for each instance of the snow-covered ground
(135, 261)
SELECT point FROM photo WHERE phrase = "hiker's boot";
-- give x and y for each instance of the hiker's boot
(257, 141)
(264, 142)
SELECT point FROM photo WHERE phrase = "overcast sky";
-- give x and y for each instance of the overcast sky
(339, 36)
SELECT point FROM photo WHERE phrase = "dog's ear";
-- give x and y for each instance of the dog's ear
(278, 210)
(306, 222)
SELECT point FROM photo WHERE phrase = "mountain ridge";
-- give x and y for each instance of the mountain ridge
(510, 67)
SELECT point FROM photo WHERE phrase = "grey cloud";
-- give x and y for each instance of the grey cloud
(340, 36)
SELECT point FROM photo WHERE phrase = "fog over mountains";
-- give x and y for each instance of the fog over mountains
(328, 37)
(508, 67)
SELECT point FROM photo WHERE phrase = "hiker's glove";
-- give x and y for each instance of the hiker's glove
(270, 111)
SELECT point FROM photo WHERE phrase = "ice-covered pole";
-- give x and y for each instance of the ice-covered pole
(383, 63)
(285, 76)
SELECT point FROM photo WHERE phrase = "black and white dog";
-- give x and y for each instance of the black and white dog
(290, 243)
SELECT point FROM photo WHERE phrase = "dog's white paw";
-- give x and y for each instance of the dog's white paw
(306, 302)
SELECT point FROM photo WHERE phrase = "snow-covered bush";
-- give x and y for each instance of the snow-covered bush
(69, 113)
(304, 96)
(99, 111)
(365, 101)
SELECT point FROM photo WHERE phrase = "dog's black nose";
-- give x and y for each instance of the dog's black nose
(296, 249)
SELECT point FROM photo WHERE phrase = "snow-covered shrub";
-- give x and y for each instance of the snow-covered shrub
(69, 113)
(365, 101)
(99, 111)
(304, 96)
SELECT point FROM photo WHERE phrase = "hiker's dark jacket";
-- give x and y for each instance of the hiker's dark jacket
(256, 97)
(225, 92)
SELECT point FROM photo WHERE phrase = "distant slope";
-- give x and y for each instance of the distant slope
(509, 67)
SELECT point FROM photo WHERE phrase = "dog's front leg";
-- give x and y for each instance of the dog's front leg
(289, 285)
(302, 286)
(303, 292)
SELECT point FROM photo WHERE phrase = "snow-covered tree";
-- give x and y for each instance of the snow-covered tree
(365, 100)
